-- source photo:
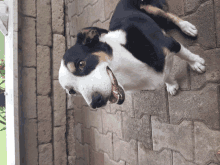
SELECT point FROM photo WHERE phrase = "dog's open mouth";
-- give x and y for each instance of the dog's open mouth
(117, 94)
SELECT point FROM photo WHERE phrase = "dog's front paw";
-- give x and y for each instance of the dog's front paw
(172, 88)
(188, 28)
(198, 65)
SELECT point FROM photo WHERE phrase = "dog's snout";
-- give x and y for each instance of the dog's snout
(97, 100)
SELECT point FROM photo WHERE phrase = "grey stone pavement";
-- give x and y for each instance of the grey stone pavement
(152, 127)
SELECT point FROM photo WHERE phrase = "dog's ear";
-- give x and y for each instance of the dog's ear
(88, 36)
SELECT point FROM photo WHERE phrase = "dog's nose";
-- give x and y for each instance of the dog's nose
(97, 100)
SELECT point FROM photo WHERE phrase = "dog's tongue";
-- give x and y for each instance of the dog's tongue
(117, 94)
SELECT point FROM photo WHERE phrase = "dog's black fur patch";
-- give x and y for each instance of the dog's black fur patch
(145, 39)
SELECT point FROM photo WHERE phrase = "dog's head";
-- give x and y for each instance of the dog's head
(84, 69)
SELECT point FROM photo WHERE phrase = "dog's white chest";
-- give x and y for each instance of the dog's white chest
(133, 74)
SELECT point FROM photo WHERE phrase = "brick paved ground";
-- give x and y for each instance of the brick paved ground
(150, 128)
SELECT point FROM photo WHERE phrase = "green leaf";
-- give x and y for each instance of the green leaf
(2, 117)
(3, 129)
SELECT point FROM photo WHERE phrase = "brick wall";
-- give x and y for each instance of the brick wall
(150, 128)
(43, 113)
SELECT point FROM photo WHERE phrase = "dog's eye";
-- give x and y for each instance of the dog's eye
(71, 91)
(82, 64)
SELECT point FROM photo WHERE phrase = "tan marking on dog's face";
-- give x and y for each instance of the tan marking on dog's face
(102, 56)
(71, 67)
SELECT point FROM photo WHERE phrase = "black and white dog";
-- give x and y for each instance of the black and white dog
(135, 54)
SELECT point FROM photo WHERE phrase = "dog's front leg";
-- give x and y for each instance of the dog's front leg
(195, 61)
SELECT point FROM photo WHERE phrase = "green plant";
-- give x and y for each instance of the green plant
(2, 68)
(2, 89)
(2, 118)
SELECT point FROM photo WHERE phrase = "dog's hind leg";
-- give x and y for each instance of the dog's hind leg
(171, 84)
(185, 26)
(195, 61)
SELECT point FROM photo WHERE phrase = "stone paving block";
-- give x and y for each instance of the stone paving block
(82, 151)
(30, 141)
(176, 7)
(108, 107)
(78, 132)
(103, 25)
(97, 158)
(82, 20)
(217, 22)
(137, 129)
(29, 92)
(212, 73)
(60, 153)
(196, 105)
(127, 106)
(96, 12)
(58, 52)
(83, 4)
(110, 6)
(109, 161)
(125, 150)
(73, 41)
(86, 135)
(207, 144)
(92, 118)
(73, 26)
(44, 110)
(100, 142)
(78, 116)
(151, 103)
(29, 7)
(180, 73)
(57, 16)
(44, 20)
(71, 160)
(112, 123)
(45, 154)
(212, 63)
(44, 132)
(193, 5)
(70, 134)
(153, 158)
(178, 159)
(198, 80)
(29, 41)
(67, 34)
(43, 70)
(206, 29)
(68, 1)
(75, 102)
(81, 162)
(59, 103)
(175, 137)
(72, 9)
